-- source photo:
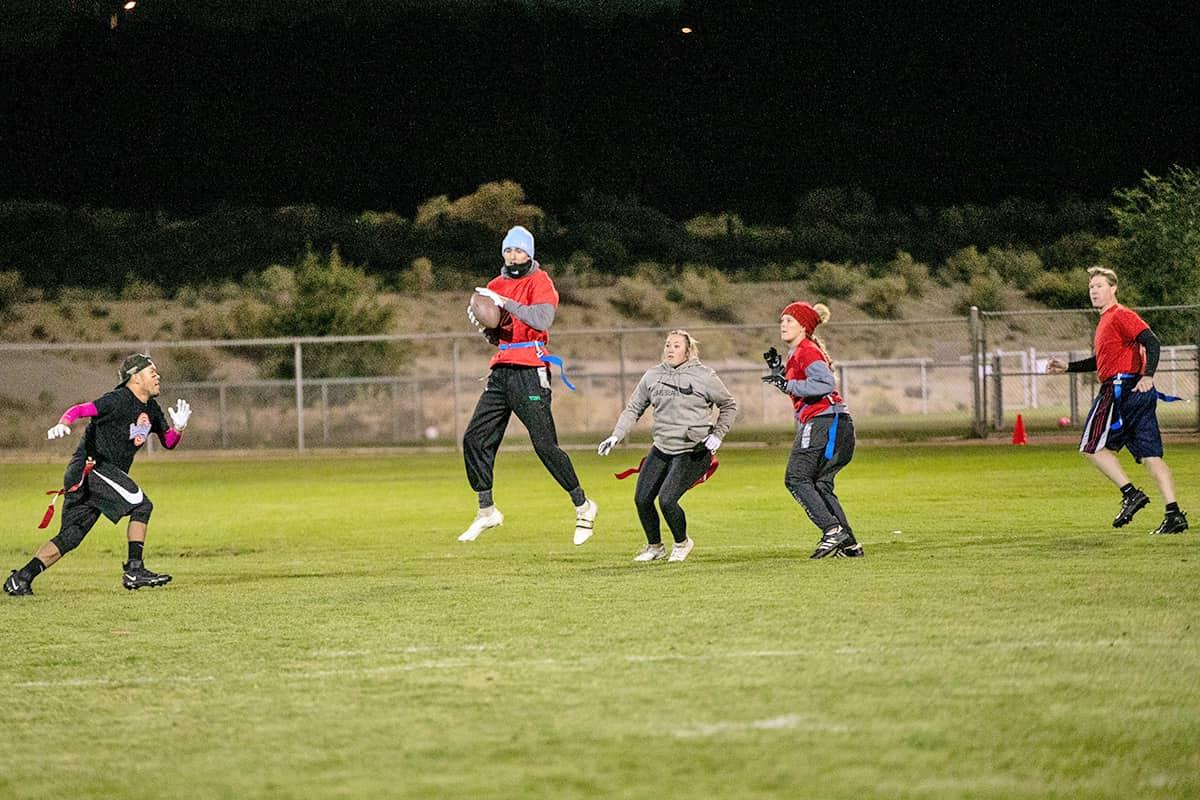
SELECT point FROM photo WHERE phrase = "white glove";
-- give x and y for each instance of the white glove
(58, 431)
(498, 299)
(607, 445)
(180, 414)
(713, 442)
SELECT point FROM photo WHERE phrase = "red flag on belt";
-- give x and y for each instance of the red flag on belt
(49, 515)
(708, 473)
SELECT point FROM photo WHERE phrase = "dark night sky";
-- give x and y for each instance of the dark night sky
(382, 104)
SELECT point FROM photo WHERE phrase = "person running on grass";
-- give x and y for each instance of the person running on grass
(519, 382)
(97, 480)
(1124, 413)
(824, 442)
(683, 393)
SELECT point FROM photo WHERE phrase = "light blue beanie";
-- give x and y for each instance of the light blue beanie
(518, 236)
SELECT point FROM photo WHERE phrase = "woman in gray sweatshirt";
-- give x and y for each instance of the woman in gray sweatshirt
(683, 393)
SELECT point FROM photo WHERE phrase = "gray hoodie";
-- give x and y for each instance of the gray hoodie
(683, 398)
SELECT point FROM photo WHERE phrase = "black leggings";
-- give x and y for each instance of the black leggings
(524, 391)
(810, 475)
(667, 478)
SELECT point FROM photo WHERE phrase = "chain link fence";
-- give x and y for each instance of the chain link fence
(1013, 349)
(954, 376)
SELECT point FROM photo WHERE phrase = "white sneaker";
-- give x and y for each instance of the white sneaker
(651, 552)
(585, 517)
(680, 550)
(483, 520)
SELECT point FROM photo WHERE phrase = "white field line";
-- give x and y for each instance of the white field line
(480, 658)
(785, 722)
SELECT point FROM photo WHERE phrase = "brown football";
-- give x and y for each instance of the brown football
(486, 311)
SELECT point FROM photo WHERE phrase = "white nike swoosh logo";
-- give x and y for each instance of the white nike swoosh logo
(131, 498)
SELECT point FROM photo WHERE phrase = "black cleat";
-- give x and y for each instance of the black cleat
(832, 542)
(1131, 503)
(137, 576)
(1173, 522)
(17, 586)
(854, 550)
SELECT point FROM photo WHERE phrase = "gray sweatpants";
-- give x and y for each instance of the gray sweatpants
(809, 475)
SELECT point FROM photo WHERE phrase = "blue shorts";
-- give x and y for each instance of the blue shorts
(1130, 421)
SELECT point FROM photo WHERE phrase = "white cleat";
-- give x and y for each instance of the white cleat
(491, 518)
(585, 518)
(651, 552)
(680, 550)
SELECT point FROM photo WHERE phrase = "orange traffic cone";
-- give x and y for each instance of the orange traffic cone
(1019, 436)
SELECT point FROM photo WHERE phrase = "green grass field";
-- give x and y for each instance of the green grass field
(326, 636)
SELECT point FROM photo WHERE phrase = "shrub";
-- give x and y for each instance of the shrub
(419, 277)
(640, 299)
(1076, 249)
(708, 291)
(1017, 267)
(881, 297)
(191, 364)
(1060, 290)
(985, 291)
(11, 289)
(914, 273)
(710, 226)
(140, 289)
(964, 266)
(496, 206)
(332, 298)
(834, 280)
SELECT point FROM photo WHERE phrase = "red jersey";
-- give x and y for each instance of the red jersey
(536, 288)
(804, 356)
(1116, 346)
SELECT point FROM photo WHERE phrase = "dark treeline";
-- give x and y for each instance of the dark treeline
(52, 246)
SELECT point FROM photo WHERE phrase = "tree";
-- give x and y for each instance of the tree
(1157, 251)
(496, 206)
(330, 298)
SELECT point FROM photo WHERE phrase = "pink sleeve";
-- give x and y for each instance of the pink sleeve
(171, 438)
(82, 410)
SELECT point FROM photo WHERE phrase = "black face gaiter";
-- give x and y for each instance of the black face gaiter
(517, 270)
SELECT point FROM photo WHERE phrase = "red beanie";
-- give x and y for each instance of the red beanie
(805, 314)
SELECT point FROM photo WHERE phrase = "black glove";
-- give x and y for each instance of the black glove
(776, 380)
(774, 360)
(492, 335)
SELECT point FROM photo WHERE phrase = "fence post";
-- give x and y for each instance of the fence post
(324, 412)
(1073, 389)
(924, 386)
(418, 410)
(975, 333)
(1031, 378)
(221, 412)
(298, 359)
(998, 383)
(454, 368)
(843, 387)
(395, 412)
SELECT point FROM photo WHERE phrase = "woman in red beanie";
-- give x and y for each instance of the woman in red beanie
(824, 430)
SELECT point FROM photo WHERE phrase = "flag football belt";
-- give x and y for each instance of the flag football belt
(1116, 381)
(542, 356)
(49, 515)
(708, 473)
(829, 445)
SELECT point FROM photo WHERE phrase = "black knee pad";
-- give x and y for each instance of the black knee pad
(68, 539)
(141, 512)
